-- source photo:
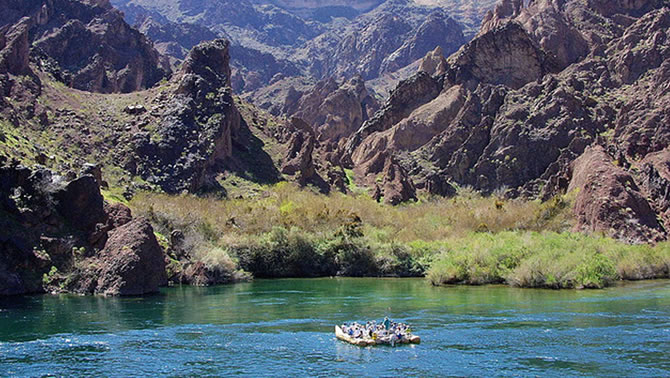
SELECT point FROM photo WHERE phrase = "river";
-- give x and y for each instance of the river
(285, 328)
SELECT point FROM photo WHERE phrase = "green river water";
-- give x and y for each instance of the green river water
(285, 328)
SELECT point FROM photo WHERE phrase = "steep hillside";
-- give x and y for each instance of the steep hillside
(65, 227)
(181, 134)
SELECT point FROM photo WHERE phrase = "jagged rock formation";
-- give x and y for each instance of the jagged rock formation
(299, 157)
(198, 123)
(506, 55)
(434, 63)
(278, 39)
(518, 104)
(87, 45)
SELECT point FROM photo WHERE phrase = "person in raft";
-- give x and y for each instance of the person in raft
(372, 330)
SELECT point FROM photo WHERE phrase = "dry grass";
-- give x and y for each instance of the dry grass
(288, 206)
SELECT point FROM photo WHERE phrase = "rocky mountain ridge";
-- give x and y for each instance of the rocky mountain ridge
(380, 36)
(515, 107)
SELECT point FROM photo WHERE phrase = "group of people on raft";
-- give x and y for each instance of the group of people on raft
(387, 329)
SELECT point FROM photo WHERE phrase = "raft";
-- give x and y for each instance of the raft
(363, 342)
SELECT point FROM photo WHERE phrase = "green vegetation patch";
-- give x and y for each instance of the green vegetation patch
(546, 259)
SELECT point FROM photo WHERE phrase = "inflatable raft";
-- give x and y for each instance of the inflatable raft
(387, 340)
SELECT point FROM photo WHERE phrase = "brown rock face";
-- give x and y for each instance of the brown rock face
(117, 215)
(15, 48)
(409, 95)
(654, 179)
(396, 186)
(609, 201)
(643, 46)
(641, 56)
(81, 203)
(434, 63)
(132, 261)
(334, 111)
(551, 23)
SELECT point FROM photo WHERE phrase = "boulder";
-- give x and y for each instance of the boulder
(118, 214)
(132, 262)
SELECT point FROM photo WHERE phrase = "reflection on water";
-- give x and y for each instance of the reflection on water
(284, 327)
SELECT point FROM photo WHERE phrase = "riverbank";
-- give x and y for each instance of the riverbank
(285, 231)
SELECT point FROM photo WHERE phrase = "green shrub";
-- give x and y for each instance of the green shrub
(597, 271)
(352, 257)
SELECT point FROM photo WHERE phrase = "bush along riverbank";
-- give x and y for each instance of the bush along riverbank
(288, 232)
